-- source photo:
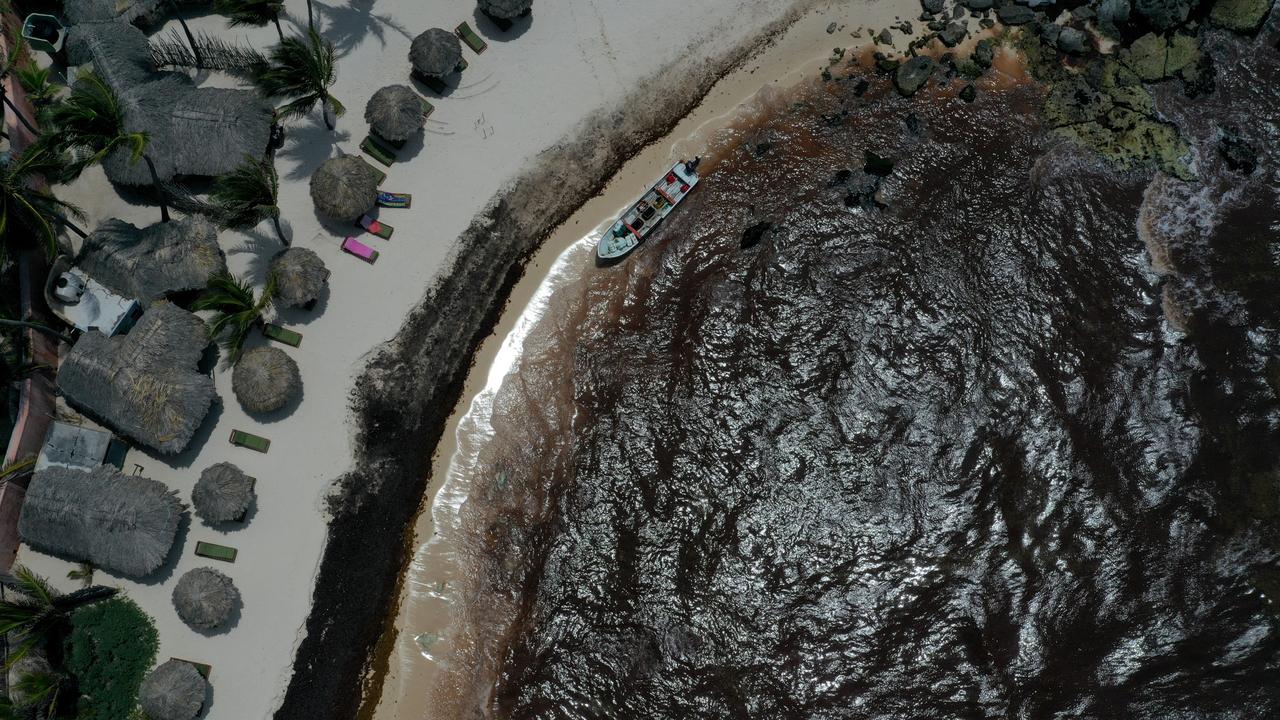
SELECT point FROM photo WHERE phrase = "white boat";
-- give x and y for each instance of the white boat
(641, 218)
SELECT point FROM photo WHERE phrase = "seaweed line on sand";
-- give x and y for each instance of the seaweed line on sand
(404, 397)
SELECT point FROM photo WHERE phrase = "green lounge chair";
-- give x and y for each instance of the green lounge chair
(381, 175)
(214, 551)
(282, 335)
(376, 151)
(462, 65)
(469, 36)
(248, 440)
(427, 108)
(203, 668)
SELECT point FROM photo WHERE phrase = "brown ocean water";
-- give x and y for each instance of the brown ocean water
(930, 447)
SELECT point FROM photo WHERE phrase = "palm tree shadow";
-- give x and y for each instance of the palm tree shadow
(261, 247)
(308, 146)
(346, 25)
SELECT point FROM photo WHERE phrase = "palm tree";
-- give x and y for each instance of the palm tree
(236, 311)
(29, 213)
(251, 12)
(83, 573)
(303, 69)
(248, 195)
(39, 612)
(191, 39)
(17, 469)
(90, 125)
(40, 689)
(9, 64)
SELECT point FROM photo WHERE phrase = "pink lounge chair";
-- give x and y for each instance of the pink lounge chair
(360, 250)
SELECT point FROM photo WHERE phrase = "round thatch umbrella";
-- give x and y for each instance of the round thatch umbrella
(394, 112)
(173, 691)
(300, 276)
(205, 598)
(265, 379)
(344, 188)
(505, 9)
(223, 493)
(435, 53)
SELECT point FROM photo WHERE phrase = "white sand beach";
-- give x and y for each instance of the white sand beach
(530, 90)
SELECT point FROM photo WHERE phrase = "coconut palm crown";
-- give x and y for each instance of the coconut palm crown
(236, 310)
(89, 124)
(247, 196)
(37, 612)
(251, 12)
(302, 68)
(28, 212)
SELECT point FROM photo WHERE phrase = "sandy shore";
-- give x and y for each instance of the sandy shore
(526, 95)
(427, 596)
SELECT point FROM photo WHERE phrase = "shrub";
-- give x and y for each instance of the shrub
(111, 647)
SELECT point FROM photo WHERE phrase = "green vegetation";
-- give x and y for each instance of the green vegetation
(37, 613)
(302, 68)
(112, 646)
(236, 310)
(30, 214)
(1243, 16)
(247, 196)
(88, 126)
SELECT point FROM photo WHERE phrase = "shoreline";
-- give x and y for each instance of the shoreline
(407, 393)
(779, 63)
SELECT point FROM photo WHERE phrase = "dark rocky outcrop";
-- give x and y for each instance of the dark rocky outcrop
(1015, 14)
(953, 34)
(912, 74)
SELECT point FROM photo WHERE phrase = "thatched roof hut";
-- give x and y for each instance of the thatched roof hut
(223, 493)
(190, 131)
(265, 379)
(205, 598)
(121, 523)
(435, 53)
(505, 9)
(144, 385)
(300, 276)
(143, 12)
(148, 263)
(173, 691)
(395, 112)
(344, 188)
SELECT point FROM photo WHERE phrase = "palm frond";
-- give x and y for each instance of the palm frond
(302, 67)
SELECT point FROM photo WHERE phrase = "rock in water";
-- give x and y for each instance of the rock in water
(952, 36)
(1243, 16)
(1073, 41)
(1015, 14)
(1164, 14)
(984, 53)
(1239, 155)
(912, 74)
(754, 234)
(877, 165)
(969, 93)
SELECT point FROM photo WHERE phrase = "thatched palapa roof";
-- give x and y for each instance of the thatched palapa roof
(121, 523)
(505, 9)
(223, 493)
(143, 12)
(344, 188)
(265, 379)
(190, 131)
(394, 112)
(205, 598)
(148, 263)
(435, 53)
(145, 384)
(173, 691)
(300, 276)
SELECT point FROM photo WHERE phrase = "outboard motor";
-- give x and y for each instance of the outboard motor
(69, 288)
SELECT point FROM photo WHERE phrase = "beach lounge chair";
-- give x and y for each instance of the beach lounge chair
(203, 668)
(469, 36)
(427, 108)
(360, 250)
(462, 65)
(249, 440)
(117, 450)
(282, 335)
(375, 150)
(375, 227)
(394, 200)
(214, 551)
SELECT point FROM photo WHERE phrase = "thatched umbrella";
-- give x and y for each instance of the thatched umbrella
(300, 276)
(505, 9)
(394, 112)
(173, 691)
(150, 262)
(344, 188)
(205, 598)
(146, 384)
(121, 523)
(435, 53)
(265, 379)
(223, 493)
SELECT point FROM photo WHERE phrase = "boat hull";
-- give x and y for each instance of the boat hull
(643, 217)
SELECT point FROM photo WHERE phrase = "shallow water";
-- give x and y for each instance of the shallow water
(934, 451)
